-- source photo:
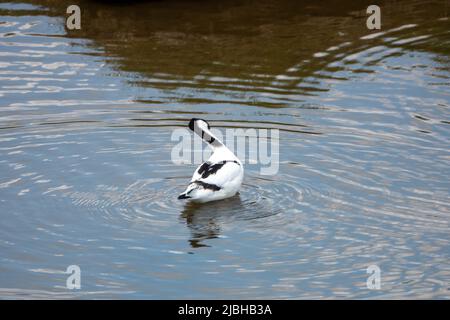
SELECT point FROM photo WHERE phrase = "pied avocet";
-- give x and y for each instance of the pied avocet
(220, 176)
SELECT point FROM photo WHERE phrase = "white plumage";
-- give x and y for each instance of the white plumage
(220, 176)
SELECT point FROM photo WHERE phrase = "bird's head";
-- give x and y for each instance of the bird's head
(196, 124)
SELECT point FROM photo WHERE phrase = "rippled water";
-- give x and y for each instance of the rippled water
(86, 119)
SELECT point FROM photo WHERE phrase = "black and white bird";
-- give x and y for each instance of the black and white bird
(220, 176)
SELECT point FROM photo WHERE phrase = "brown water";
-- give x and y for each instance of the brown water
(86, 119)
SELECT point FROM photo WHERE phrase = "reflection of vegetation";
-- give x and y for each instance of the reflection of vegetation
(245, 42)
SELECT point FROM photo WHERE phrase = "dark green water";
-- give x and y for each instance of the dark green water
(86, 176)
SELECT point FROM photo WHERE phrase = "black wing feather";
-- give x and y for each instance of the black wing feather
(207, 168)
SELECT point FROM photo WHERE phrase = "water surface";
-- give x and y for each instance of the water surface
(86, 119)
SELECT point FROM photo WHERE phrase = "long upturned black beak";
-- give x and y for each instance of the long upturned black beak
(183, 196)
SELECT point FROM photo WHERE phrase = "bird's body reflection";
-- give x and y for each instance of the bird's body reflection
(204, 220)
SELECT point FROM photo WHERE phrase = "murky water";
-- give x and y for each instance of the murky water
(86, 119)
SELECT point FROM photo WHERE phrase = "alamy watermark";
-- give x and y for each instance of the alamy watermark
(374, 20)
(374, 280)
(74, 280)
(73, 21)
(251, 146)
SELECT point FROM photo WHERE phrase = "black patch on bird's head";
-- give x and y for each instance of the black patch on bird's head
(193, 120)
